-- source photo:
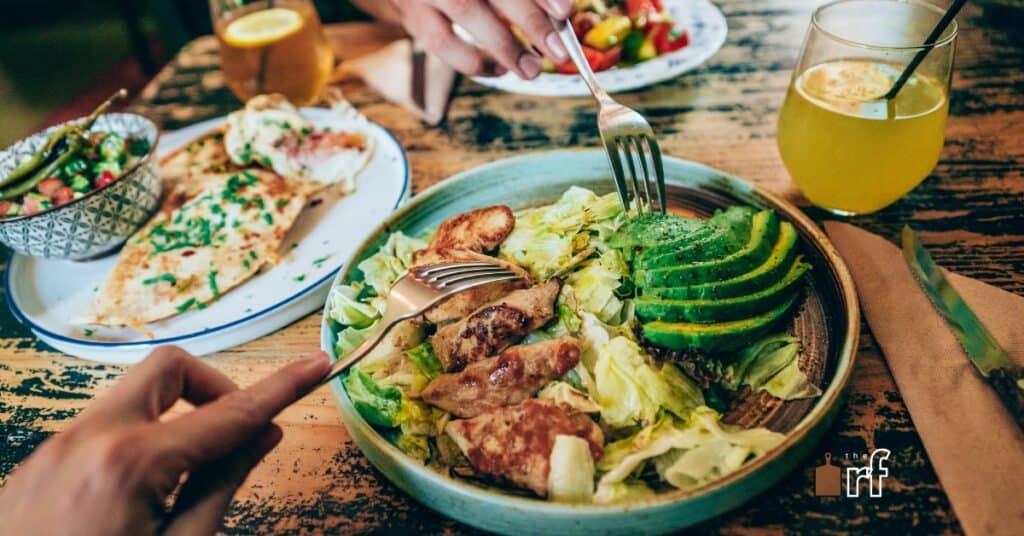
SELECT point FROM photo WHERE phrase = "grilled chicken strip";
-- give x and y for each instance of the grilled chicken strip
(479, 230)
(465, 238)
(515, 442)
(495, 326)
(464, 303)
(515, 375)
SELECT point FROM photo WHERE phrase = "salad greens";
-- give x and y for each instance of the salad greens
(660, 431)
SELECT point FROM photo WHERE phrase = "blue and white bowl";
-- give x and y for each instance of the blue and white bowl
(102, 219)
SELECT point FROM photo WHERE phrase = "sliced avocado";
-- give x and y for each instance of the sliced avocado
(705, 311)
(763, 235)
(721, 235)
(779, 262)
(718, 337)
(650, 229)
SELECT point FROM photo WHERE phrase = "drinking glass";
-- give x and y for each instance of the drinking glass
(848, 148)
(272, 46)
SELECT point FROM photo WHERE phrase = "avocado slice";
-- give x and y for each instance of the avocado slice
(779, 262)
(717, 337)
(705, 311)
(721, 235)
(648, 230)
(763, 234)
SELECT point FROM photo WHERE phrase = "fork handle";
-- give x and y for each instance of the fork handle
(342, 364)
(572, 45)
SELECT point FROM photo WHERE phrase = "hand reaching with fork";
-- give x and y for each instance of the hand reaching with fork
(113, 470)
(497, 50)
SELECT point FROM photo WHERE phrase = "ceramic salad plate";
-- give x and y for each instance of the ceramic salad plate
(44, 294)
(704, 23)
(826, 325)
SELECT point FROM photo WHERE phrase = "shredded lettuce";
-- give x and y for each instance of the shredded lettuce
(384, 267)
(550, 240)
(425, 359)
(377, 404)
(685, 454)
(618, 492)
(595, 284)
(772, 364)
(346, 309)
(563, 392)
(571, 475)
(631, 391)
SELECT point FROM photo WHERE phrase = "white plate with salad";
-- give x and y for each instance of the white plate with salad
(647, 375)
(47, 295)
(630, 44)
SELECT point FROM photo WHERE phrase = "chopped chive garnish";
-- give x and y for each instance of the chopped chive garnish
(295, 245)
(201, 306)
(185, 306)
(320, 262)
(168, 277)
(252, 254)
(212, 277)
(245, 263)
(299, 278)
(88, 332)
(268, 218)
(281, 203)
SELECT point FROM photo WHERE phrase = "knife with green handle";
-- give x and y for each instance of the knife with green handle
(992, 362)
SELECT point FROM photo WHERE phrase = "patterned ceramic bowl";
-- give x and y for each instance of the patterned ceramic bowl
(98, 222)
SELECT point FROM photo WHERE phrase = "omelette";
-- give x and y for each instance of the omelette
(232, 196)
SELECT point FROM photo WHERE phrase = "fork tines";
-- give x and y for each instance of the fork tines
(640, 152)
(459, 275)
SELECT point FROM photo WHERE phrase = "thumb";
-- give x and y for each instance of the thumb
(206, 494)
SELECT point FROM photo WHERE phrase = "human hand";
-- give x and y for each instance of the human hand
(113, 469)
(430, 21)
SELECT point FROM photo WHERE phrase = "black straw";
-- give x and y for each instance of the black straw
(937, 32)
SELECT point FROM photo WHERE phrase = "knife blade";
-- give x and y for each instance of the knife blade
(988, 357)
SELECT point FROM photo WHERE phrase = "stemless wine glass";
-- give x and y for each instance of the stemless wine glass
(848, 148)
(272, 46)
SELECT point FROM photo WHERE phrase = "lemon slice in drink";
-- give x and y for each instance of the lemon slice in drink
(262, 28)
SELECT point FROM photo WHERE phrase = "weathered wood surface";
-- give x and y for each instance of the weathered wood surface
(723, 114)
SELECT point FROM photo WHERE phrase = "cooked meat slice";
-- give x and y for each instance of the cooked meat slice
(479, 230)
(510, 378)
(495, 326)
(463, 303)
(515, 442)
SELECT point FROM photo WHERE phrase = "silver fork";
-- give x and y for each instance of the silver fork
(418, 290)
(627, 137)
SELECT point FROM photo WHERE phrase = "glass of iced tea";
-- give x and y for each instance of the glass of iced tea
(850, 149)
(272, 46)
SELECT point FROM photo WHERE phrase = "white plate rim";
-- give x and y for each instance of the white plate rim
(327, 279)
(563, 85)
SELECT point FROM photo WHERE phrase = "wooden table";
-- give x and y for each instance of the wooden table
(723, 114)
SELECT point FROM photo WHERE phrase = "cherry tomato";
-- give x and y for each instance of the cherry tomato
(49, 185)
(667, 39)
(30, 206)
(63, 196)
(104, 179)
(597, 59)
(644, 12)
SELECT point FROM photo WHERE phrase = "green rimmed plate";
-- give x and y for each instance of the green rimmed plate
(828, 325)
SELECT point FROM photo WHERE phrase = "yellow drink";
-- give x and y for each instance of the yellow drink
(847, 148)
(292, 57)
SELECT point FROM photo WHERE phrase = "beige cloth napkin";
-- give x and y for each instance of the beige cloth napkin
(974, 444)
(389, 72)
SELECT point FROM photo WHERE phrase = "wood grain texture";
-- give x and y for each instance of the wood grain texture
(969, 213)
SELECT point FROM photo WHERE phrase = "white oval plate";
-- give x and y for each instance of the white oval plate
(44, 294)
(705, 24)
